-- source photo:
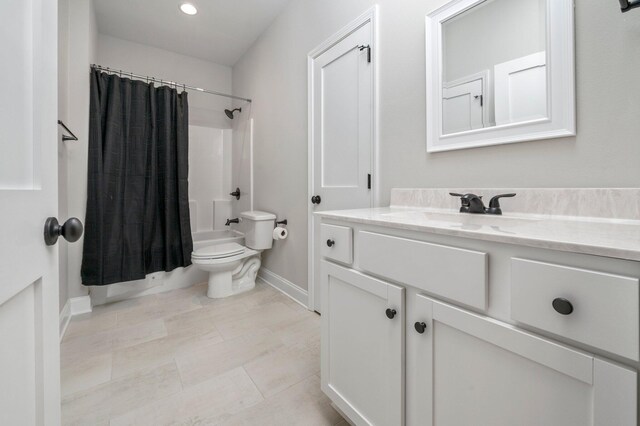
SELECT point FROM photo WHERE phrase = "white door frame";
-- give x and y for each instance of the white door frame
(369, 16)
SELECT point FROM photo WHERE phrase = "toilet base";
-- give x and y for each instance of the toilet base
(231, 282)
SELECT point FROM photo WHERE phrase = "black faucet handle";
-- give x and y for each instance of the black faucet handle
(494, 204)
(455, 194)
(495, 201)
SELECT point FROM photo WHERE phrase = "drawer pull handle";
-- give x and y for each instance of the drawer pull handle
(330, 243)
(391, 313)
(562, 306)
(420, 327)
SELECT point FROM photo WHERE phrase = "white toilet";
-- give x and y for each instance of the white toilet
(233, 268)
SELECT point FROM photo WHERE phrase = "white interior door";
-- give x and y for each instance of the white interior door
(463, 107)
(342, 128)
(29, 358)
(521, 89)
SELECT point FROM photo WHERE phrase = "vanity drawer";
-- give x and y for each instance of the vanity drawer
(453, 273)
(599, 309)
(337, 242)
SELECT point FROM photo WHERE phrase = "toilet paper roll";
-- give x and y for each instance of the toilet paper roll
(280, 233)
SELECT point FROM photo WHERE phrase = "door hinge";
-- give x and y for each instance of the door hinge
(369, 181)
(368, 47)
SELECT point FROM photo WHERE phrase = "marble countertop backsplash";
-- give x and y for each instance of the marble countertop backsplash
(604, 203)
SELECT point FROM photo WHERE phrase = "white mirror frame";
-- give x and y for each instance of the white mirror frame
(561, 120)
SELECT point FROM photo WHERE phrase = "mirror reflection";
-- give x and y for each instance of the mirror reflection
(494, 65)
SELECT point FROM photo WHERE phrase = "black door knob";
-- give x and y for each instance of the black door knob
(70, 231)
(331, 243)
(562, 306)
(236, 193)
(316, 199)
(391, 313)
(420, 327)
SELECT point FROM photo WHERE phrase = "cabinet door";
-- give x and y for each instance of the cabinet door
(471, 369)
(363, 346)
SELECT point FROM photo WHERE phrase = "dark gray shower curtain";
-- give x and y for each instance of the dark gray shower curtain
(138, 205)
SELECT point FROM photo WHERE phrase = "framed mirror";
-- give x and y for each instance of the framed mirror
(499, 71)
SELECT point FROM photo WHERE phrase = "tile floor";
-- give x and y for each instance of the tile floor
(179, 358)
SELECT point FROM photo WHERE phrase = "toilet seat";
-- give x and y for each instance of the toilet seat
(219, 251)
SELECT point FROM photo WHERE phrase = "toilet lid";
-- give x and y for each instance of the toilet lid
(218, 251)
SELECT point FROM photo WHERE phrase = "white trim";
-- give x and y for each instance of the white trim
(284, 286)
(560, 48)
(65, 317)
(80, 305)
(369, 16)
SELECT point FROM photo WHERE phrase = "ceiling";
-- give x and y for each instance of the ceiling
(221, 32)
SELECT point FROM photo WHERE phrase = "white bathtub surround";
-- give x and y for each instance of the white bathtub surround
(221, 212)
(160, 282)
(209, 173)
(608, 203)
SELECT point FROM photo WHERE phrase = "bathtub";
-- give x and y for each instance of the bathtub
(159, 282)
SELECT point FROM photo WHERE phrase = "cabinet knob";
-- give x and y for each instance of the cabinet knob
(316, 199)
(391, 313)
(420, 327)
(330, 243)
(562, 306)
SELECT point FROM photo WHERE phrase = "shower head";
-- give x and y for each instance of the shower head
(230, 112)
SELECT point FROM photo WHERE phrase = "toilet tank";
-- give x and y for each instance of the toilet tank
(258, 228)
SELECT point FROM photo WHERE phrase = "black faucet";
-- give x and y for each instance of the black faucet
(230, 221)
(472, 203)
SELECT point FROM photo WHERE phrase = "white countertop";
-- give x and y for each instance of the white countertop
(615, 238)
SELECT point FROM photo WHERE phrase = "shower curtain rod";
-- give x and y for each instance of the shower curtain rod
(168, 82)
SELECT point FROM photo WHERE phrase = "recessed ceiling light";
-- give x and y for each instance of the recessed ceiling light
(188, 8)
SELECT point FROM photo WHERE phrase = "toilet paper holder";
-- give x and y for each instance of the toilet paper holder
(282, 222)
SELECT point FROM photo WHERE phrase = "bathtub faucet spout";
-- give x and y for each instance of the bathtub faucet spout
(230, 221)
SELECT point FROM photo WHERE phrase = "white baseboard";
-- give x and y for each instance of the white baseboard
(65, 316)
(285, 286)
(80, 305)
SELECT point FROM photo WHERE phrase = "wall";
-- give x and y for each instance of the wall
(79, 34)
(204, 109)
(274, 73)
(63, 114)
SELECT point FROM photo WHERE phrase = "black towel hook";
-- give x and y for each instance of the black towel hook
(67, 137)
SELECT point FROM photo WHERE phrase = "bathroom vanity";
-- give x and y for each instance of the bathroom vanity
(434, 317)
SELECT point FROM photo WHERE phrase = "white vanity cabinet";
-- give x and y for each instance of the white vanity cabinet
(474, 370)
(363, 346)
(477, 336)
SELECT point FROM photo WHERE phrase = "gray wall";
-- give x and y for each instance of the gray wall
(204, 110)
(606, 152)
(63, 88)
(77, 43)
